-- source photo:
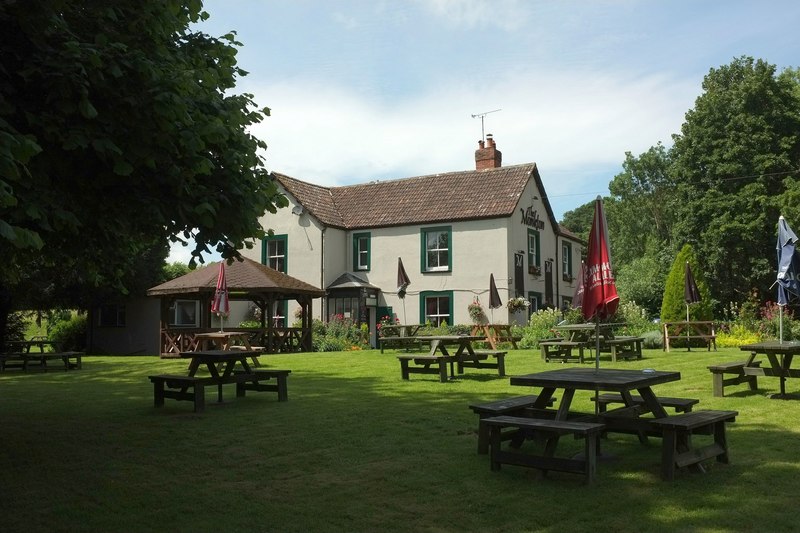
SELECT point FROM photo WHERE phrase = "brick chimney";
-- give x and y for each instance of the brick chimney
(488, 156)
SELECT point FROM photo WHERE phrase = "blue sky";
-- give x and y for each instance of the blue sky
(376, 90)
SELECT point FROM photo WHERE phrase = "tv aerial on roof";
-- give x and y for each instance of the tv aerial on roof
(476, 115)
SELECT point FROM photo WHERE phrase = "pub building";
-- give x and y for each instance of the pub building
(450, 230)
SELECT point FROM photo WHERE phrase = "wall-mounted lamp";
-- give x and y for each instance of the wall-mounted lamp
(298, 210)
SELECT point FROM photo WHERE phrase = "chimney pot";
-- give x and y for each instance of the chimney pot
(488, 156)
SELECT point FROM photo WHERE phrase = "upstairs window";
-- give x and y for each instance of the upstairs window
(361, 251)
(566, 261)
(436, 249)
(534, 255)
(273, 252)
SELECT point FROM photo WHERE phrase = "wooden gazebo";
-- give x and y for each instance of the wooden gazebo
(246, 280)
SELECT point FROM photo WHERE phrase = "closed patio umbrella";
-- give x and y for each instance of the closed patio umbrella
(691, 295)
(600, 298)
(577, 296)
(221, 304)
(788, 268)
(402, 284)
(494, 296)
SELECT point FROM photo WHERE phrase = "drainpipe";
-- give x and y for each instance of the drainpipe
(322, 274)
(557, 303)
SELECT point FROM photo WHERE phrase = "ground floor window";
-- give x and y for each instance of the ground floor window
(535, 298)
(184, 313)
(437, 307)
(347, 307)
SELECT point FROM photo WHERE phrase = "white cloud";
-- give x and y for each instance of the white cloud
(576, 126)
(507, 15)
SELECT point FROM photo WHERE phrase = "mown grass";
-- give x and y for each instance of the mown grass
(358, 449)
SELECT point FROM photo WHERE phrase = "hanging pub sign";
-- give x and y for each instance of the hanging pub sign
(530, 217)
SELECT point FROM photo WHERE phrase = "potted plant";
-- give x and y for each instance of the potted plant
(517, 304)
(476, 313)
(534, 270)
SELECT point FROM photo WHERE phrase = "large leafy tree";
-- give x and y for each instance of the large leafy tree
(734, 162)
(118, 132)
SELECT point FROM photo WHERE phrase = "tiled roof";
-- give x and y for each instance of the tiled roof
(245, 276)
(451, 196)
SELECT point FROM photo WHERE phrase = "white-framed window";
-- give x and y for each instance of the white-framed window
(361, 244)
(112, 316)
(566, 261)
(437, 307)
(534, 256)
(535, 298)
(436, 249)
(274, 252)
(184, 313)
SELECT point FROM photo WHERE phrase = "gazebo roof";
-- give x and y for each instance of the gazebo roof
(246, 276)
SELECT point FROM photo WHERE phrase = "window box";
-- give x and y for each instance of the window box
(534, 270)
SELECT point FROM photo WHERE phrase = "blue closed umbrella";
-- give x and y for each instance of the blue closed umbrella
(788, 268)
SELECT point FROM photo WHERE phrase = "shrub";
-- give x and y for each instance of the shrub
(635, 318)
(540, 326)
(652, 339)
(673, 306)
(737, 335)
(69, 335)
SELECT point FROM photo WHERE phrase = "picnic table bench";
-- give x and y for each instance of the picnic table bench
(425, 364)
(589, 431)
(558, 348)
(737, 370)
(480, 359)
(677, 448)
(514, 406)
(623, 347)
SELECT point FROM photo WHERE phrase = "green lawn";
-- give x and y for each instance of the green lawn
(358, 449)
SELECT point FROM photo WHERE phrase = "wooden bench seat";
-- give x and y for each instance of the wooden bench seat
(178, 388)
(562, 349)
(514, 406)
(737, 368)
(255, 381)
(624, 347)
(677, 449)
(425, 364)
(589, 431)
(681, 405)
(480, 360)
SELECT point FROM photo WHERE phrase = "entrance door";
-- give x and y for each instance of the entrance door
(548, 283)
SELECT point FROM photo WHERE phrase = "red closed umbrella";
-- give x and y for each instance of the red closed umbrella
(221, 304)
(600, 298)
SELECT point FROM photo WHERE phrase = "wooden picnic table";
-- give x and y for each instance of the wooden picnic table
(222, 367)
(38, 360)
(693, 330)
(26, 345)
(439, 355)
(225, 340)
